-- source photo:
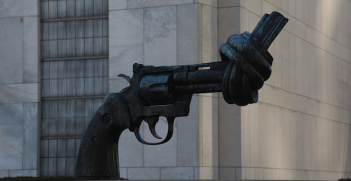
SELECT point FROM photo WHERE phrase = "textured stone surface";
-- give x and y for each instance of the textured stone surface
(160, 36)
(131, 151)
(31, 49)
(15, 8)
(11, 136)
(30, 135)
(177, 173)
(23, 173)
(11, 49)
(147, 3)
(144, 173)
(4, 174)
(187, 34)
(18, 93)
(117, 4)
(187, 136)
(126, 44)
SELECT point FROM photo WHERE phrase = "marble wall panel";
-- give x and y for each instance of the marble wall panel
(208, 45)
(11, 139)
(177, 173)
(228, 25)
(30, 135)
(15, 8)
(142, 173)
(229, 134)
(18, 93)
(11, 48)
(187, 136)
(227, 173)
(208, 173)
(117, 4)
(31, 49)
(145, 3)
(23, 173)
(160, 45)
(187, 34)
(126, 44)
(213, 3)
(4, 174)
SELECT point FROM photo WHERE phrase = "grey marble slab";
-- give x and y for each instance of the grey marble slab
(188, 34)
(147, 3)
(160, 45)
(117, 4)
(30, 135)
(19, 93)
(15, 8)
(11, 136)
(31, 49)
(188, 136)
(11, 48)
(141, 173)
(4, 173)
(126, 43)
(177, 173)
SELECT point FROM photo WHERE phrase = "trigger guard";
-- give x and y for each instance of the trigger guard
(168, 137)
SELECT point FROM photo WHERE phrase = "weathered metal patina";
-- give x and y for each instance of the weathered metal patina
(167, 91)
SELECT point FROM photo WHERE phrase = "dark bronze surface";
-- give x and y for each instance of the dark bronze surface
(167, 91)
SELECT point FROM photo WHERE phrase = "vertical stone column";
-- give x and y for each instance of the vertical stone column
(19, 88)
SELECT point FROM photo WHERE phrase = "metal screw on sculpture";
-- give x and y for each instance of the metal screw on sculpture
(167, 91)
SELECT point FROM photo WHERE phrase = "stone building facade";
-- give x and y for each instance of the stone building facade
(59, 57)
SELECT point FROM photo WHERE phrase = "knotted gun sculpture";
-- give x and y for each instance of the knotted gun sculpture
(167, 91)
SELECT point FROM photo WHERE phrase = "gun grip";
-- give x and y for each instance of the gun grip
(98, 152)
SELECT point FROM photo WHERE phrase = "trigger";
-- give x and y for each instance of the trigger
(152, 121)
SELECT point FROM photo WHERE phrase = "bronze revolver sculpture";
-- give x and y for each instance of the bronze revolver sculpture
(167, 91)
